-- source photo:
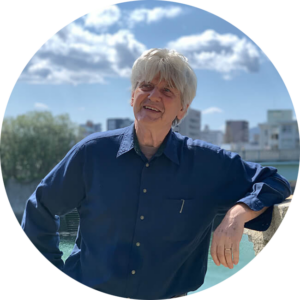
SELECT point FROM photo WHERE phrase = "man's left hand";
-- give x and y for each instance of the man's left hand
(227, 237)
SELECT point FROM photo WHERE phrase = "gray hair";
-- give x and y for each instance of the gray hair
(172, 67)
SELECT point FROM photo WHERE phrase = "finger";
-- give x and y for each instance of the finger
(213, 252)
(228, 256)
(221, 255)
(236, 253)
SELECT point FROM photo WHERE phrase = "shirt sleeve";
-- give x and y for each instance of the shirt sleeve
(58, 193)
(254, 185)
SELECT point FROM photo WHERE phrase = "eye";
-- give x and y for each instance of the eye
(146, 85)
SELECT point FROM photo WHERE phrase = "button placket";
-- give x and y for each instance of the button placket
(142, 218)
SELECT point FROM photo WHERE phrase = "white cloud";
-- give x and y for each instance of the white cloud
(212, 110)
(224, 53)
(84, 52)
(41, 106)
(75, 55)
(103, 18)
(153, 15)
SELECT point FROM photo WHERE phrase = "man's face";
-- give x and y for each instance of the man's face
(156, 103)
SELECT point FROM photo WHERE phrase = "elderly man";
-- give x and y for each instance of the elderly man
(147, 196)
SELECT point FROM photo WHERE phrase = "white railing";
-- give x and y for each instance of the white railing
(270, 155)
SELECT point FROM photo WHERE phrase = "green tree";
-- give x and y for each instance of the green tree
(33, 143)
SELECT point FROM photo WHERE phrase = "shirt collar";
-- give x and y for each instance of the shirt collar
(169, 146)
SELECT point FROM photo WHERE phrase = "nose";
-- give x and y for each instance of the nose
(155, 94)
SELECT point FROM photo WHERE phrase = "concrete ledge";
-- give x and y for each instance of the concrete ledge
(261, 239)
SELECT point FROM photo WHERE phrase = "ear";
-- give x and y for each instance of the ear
(182, 112)
(132, 97)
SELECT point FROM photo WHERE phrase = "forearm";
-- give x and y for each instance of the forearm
(243, 213)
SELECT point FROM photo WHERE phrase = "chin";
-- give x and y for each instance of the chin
(148, 122)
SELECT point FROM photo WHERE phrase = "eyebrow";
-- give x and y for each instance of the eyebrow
(173, 88)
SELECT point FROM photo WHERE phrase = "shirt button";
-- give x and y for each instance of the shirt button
(147, 165)
(138, 244)
(144, 190)
(142, 217)
(133, 272)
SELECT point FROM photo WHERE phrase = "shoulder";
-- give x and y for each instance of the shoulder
(199, 149)
(196, 145)
(100, 140)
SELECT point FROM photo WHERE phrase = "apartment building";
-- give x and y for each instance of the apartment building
(115, 123)
(89, 127)
(191, 125)
(280, 131)
(236, 132)
(289, 135)
(212, 136)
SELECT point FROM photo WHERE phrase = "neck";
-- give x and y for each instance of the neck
(150, 137)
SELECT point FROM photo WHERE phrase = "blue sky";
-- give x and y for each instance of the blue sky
(84, 69)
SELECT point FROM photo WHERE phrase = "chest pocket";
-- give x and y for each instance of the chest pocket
(180, 219)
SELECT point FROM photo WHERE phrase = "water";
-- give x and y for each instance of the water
(288, 169)
(214, 273)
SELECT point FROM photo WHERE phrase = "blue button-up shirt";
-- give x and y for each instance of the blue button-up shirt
(145, 226)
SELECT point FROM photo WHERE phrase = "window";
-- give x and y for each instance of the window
(287, 128)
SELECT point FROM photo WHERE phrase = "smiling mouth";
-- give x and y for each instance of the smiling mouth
(147, 108)
(151, 108)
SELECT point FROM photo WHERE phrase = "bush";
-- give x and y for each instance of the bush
(33, 143)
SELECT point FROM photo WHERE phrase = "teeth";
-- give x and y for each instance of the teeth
(151, 108)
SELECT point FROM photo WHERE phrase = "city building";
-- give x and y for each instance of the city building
(212, 136)
(115, 123)
(254, 134)
(191, 125)
(269, 137)
(89, 127)
(289, 135)
(236, 132)
(254, 138)
(280, 131)
(277, 116)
